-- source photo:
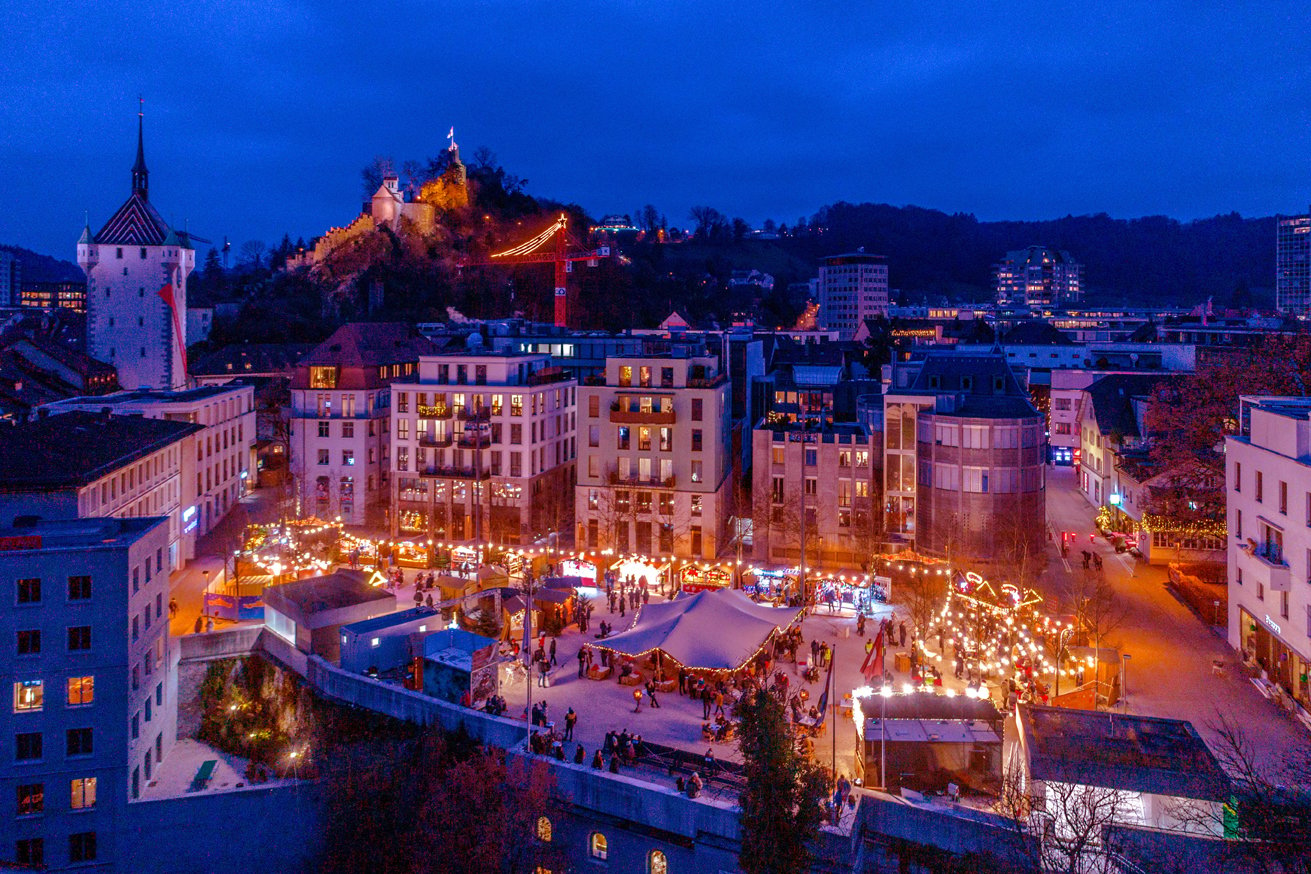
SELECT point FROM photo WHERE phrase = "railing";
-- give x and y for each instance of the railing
(453, 473)
(706, 381)
(668, 482)
(624, 414)
(482, 414)
(436, 411)
(426, 439)
(548, 375)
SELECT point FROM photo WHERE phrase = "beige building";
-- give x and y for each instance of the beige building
(835, 471)
(654, 457)
(482, 448)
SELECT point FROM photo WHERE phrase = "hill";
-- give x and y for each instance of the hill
(43, 268)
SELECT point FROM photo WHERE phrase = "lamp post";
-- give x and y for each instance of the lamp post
(204, 599)
(1124, 680)
(885, 693)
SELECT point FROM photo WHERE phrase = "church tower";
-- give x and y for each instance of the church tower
(137, 269)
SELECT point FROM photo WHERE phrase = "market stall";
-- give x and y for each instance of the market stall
(695, 578)
(775, 585)
(855, 594)
(634, 569)
(579, 567)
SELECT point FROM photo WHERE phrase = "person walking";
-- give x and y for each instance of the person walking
(706, 701)
(860, 625)
(651, 693)
(554, 663)
(582, 662)
(622, 600)
(542, 668)
(682, 681)
(172, 608)
(570, 718)
(901, 632)
(610, 596)
(719, 703)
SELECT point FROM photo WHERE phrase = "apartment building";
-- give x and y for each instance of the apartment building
(483, 447)
(1268, 499)
(340, 419)
(1038, 276)
(654, 457)
(94, 707)
(217, 469)
(852, 288)
(1293, 264)
(83, 464)
(834, 472)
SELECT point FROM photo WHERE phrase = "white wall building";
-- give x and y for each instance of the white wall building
(1268, 499)
(483, 448)
(852, 288)
(654, 457)
(94, 707)
(137, 269)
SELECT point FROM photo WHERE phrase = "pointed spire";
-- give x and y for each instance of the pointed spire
(140, 175)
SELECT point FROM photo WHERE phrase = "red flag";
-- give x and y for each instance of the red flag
(872, 667)
(166, 295)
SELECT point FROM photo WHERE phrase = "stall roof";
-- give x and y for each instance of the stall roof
(389, 620)
(958, 731)
(718, 629)
(304, 599)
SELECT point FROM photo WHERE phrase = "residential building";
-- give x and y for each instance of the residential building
(654, 457)
(137, 269)
(340, 419)
(277, 360)
(832, 470)
(55, 295)
(964, 457)
(1268, 500)
(852, 287)
(483, 447)
(94, 708)
(218, 465)
(11, 279)
(1293, 264)
(1038, 276)
(83, 464)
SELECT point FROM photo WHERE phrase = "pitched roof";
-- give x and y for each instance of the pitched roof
(1035, 332)
(74, 449)
(137, 223)
(1112, 400)
(370, 344)
(251, 358)
(973, 378)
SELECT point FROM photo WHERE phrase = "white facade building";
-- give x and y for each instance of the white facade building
(1268, 499)
(94, 703)
(137, 269)
(483, 447)
(852, 288)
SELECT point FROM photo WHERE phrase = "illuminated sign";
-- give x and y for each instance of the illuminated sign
(1114, 499)
(189, 520)
(1273, 625)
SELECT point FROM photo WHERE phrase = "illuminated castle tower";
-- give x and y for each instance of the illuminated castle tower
(137, 268)
(450, 191)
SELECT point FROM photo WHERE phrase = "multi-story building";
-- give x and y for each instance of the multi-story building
(1293, 264)
(964, 457)
(482, 448)
(94, 707)
(834, 472)
(217, 467)
(11, 279)
(340, 419)
(1268, 498)
(654, 457)
(54, 295)
(851, 288)
(136, 295)
(92, 464)
(1038, 277)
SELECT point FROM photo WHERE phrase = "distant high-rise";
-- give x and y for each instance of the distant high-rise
(1037, 277)
(11, 274)
(137, 268)
(852, 288)
(1293, 264)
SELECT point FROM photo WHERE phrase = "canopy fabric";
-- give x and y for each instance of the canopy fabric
(720, 629)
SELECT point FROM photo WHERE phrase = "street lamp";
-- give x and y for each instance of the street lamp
(1124, 680)
(885, 693)
(205, 597)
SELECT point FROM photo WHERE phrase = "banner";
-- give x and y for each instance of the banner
(224, 606)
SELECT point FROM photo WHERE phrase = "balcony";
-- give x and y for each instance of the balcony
(482, 414)
(1262, 564)
(549, 375)
(707, 381)
(437, 411)
(426, 439)
(623, 413)
(432, 472)
(654, 482)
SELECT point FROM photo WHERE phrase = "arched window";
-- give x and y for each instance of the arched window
(543, 829)
(656, 863)
(597, 846)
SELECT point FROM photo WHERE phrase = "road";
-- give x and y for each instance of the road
(1171, 650)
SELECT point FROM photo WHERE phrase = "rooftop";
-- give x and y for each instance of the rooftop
(344, 588)
(77, 448)
(251, 358)
(369, 344)
(1112, 400)
(391, 620)
(147, 395)
(78, 534)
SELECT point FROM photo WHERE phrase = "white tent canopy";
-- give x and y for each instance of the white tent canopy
(719, 629)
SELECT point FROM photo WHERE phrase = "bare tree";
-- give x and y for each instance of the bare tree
(1059, 826)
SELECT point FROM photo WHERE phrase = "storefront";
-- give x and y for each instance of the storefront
(695, 578)
(1284, 666)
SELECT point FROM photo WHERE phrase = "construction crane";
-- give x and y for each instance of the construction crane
(551, 246)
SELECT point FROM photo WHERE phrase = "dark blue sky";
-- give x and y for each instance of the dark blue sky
(260, 113)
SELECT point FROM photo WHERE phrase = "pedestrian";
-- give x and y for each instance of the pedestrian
(860, 625)
(651, 693)
(542, 668)
(569, 719)
(597, 762)
(901, 632)
(614, 764)
(719, 703)
(172, 608)
(682, 681)
(199, 624)
(554, 663)
(637, 700)
(610, 596)
(582, 661)
(706, 701)
(427, 601)
(646, 595)
(418, 596)
(622, 600)
(209, 624)
(580, 756)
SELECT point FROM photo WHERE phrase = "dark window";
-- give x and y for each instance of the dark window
(27, 746)
(79, 638)
(697, 406)
(29, 591)
(30, 851)
(29, 642)
(82, 847)
(79, 742)
(79, 588)
(696, 440)
(31, 798)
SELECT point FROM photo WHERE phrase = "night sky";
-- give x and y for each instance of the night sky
(259, 115)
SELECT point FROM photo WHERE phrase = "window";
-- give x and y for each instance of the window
(696, 439)
(29, 590)
(348, 457)
(1283, 604)
(29, 642)
(32, 851)
(1260, 490)
(594, 436)
(81, 691)
(31, 798)
(324, 429)
(697, 409)
(697, 475)
(28, 695)
(84, 793)
(79, 588)
(27, 746)
(348, 429)
(1283, 498)
(82, 847)
(544, 829)
(625, 375)
(79, 742)
(656, 863)
(516, 405)
(594, 406)
(325, 456)
(597, 846)
(623, 441)
(812, 457)
(403, 402)
(812, 486)
(776, 490)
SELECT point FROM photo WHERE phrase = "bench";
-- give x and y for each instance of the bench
(203, 776)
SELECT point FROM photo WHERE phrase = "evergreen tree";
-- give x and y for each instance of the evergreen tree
(781, 801)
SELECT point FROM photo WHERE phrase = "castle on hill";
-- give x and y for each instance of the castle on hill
(390, 208)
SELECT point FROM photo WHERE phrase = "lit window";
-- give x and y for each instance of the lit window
(81, 690)
(84, 793)
(656, 863)
(29, 695)
(597, 846)
(544, 829)
(377, 641)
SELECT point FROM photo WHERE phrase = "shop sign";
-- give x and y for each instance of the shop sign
(1274, 626)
